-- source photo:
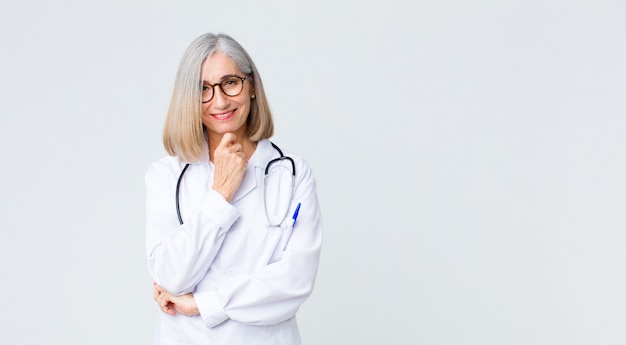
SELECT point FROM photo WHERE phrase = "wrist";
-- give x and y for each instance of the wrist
(226, 194)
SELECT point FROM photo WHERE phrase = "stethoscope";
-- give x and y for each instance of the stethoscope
(267, 170)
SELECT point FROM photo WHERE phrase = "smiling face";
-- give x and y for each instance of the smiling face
(224, 114)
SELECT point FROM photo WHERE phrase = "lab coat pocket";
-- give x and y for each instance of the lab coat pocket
(281, 234)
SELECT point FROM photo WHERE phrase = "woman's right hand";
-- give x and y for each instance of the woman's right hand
(230, 166)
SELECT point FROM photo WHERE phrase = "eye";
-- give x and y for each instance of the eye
(230, 82)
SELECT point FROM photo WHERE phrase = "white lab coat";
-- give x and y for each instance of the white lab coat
(248, 279)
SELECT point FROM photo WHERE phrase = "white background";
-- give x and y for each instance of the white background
(470, 158)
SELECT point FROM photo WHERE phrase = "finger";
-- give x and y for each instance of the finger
(236, 148)
(167, 309)
(164, 304)
(227, 140)
(170, 311)
(241, 155)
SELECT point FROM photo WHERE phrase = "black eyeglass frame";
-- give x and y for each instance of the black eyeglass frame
(221, 89)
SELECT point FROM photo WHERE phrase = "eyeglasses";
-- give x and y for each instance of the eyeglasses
(230, 86)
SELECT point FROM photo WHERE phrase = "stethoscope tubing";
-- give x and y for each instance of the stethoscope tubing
(267, 169)
(180, 178)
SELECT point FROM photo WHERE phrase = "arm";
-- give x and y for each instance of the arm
(179, 255)
(274, 292)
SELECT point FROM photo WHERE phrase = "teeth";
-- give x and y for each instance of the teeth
(222, 116)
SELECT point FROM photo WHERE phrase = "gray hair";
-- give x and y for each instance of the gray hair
(183, 133)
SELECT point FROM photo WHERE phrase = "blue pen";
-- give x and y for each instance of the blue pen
(295, 214)
(294, 217)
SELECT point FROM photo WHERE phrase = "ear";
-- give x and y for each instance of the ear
(252, 90)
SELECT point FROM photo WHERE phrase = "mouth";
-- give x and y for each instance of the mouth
(224, 116)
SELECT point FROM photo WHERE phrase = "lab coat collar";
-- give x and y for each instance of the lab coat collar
(254, 170)
(263, 153)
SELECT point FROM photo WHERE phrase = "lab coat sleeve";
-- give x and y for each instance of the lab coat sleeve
(180, 255)
(273, 293)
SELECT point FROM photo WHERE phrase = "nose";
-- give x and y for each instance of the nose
(220, 99)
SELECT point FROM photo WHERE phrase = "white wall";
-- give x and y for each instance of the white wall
(472, 172)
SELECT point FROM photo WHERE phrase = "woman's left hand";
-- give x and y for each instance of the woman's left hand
(170, 304)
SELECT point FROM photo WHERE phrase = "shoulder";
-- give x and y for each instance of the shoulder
(164, 168)
(303, 169)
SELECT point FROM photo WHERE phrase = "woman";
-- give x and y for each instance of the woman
(230, 263)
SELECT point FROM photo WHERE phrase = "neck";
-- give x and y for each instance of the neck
(248, 146)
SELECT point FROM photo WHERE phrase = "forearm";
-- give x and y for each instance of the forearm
(180, 255)
(274, 292)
